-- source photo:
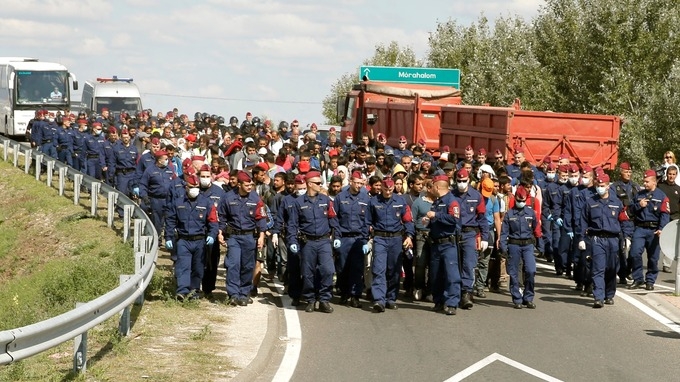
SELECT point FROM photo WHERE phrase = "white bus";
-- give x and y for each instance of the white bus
(115, 94)
(28, 85)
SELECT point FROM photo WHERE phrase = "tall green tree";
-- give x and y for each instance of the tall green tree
(391, 54)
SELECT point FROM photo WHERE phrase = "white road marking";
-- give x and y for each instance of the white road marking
(642, 307)
(294, 338)
(497, 357)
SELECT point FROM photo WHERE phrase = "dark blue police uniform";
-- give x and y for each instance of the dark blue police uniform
(154, 189)
(290, 262)
(215, 194)
(519, 231)
(94, 153)
(124, 166)
(445, 277)
(474, 224)
(351, 211)
(647, 221)
(64, 144)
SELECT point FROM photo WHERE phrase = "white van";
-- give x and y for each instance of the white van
(115, 94)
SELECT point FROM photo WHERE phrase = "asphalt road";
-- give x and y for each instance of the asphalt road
(564, 338)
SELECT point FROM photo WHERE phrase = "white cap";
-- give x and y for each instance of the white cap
(262, 151)
(444, 156)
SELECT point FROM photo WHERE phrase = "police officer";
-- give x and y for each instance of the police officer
(549, 190)
(79, 148)
(194, 219)
(94, 152)
(565, 247)
(391, 222)
(212, 255)
(443, 221)
(312, 222)
(242, 219)
(109, 143)
(519, 232)
(650, 212)
(290, 262)
(351, 206)
(124, 166)
(475, 232)
(47, 136)
(603, 217)
(154, 188)
(65, 138)
(572, 221)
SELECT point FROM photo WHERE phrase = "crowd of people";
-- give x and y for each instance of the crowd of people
(363, 219)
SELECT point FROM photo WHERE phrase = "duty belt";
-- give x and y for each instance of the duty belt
(46, 141)
(231, 231)
(306, 237)
(521, 241)
(351, 234)
(125, 170)
(388, 234)
(653, 225)
(471, 229)
(192, 237)
(447, 239)
(92, 156)
(603, 234)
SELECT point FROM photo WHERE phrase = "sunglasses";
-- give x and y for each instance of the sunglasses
(317, 183)
(402, 141)
(499, 157)
(668, 157)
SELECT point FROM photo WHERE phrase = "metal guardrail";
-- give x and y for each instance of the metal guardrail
(20, 343)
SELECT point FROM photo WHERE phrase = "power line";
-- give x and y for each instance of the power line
(234, 99)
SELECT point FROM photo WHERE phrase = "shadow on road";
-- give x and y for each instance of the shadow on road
(663, 334)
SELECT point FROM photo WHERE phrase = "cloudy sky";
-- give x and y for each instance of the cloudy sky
(273, 57)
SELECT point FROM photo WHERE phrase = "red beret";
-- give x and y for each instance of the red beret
(189, 171)
(587, 169)
(603, 178)
(462, 174)
(312, 174)
(498, 152)
(552, 166)
(381, 135)
(469, 148)
(599, 170)
(97, 124)
(294, 121)
(445, 149)
(124, 131)
(304, 167)
(155, 141)
(248, 114)
(198, 158)
(112, 130)
(263, 166)
(160, 153)
(105, 109)
(332, 130)
(205, 167)
(440, 178)
(563, 168)
(357, 175)
(563, 156)
(313, 125)
(402, 138)
(191, 138)
(650, 173)
(547, 159)
(192, 180)
(299, 179)
(421, 142)
(186, 163)
(481, 151)
(625, 166)
(349, 135)
(574, 168)
(521, 193)
(82, 121)
(519, 150)
(388, 182)
(243, 177)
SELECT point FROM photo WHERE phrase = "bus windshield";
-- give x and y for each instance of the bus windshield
(118, 104)
(44, 87)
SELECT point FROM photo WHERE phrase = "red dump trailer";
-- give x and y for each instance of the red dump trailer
(587, 138)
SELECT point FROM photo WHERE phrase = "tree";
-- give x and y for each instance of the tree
(385, 55)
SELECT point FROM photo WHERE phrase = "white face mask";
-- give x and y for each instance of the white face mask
(164, 163)
(205, 182)
(601, 190)
(585, 181)
(193, 193)
(550, 176)
(349, 141)
(301, 192)
(573, 180)
(521, 205)
(462, 186)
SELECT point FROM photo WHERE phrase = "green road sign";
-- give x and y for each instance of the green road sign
(414, 75)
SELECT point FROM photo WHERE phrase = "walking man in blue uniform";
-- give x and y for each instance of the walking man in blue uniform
(604, 219)
(475, 232)
(389, 218)
(351, 206)
(94, 152)
(312, 223)
(650, 212)
(519, 232)
(443, 221)
(242, 219)
(154, 188)
(125, 162)
(212, 255)
(194, 219)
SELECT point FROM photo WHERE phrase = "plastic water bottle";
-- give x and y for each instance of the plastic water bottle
(409, 253)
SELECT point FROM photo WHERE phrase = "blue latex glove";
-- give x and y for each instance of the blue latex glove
(550, 218)
(570, 234)
(294, 248)
(336, 243)
(559, 222)
(366, 248)
(209, 240)
(135, 191)
(168, 244)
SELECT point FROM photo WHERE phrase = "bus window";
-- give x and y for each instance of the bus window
(42, 87)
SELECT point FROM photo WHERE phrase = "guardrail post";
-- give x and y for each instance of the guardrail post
(38, 165)
(128, 209)
(111, 207)
(63, 172)
(16, 154)
(94, 197)
(139, 226)
(80, 350)
(77, 183)
(124, 323)
(140, 260)
(5, 152)
(27, 161)
(50, 172)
